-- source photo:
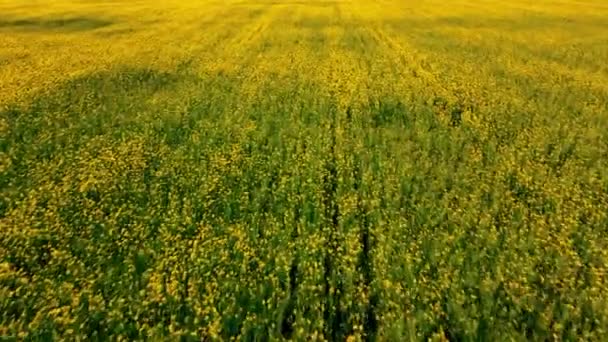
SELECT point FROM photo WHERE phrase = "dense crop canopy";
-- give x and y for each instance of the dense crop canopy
(306, 170)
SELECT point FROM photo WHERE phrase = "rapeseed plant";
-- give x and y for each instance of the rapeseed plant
(323, 170)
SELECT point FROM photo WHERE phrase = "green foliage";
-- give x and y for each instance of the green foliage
(291, 184)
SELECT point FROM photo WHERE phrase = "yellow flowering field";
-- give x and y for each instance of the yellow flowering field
(261, 170)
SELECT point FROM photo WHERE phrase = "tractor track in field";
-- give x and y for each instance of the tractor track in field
(365, 266)
(333, 316)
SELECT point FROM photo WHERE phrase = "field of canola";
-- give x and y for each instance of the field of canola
(307, 170)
